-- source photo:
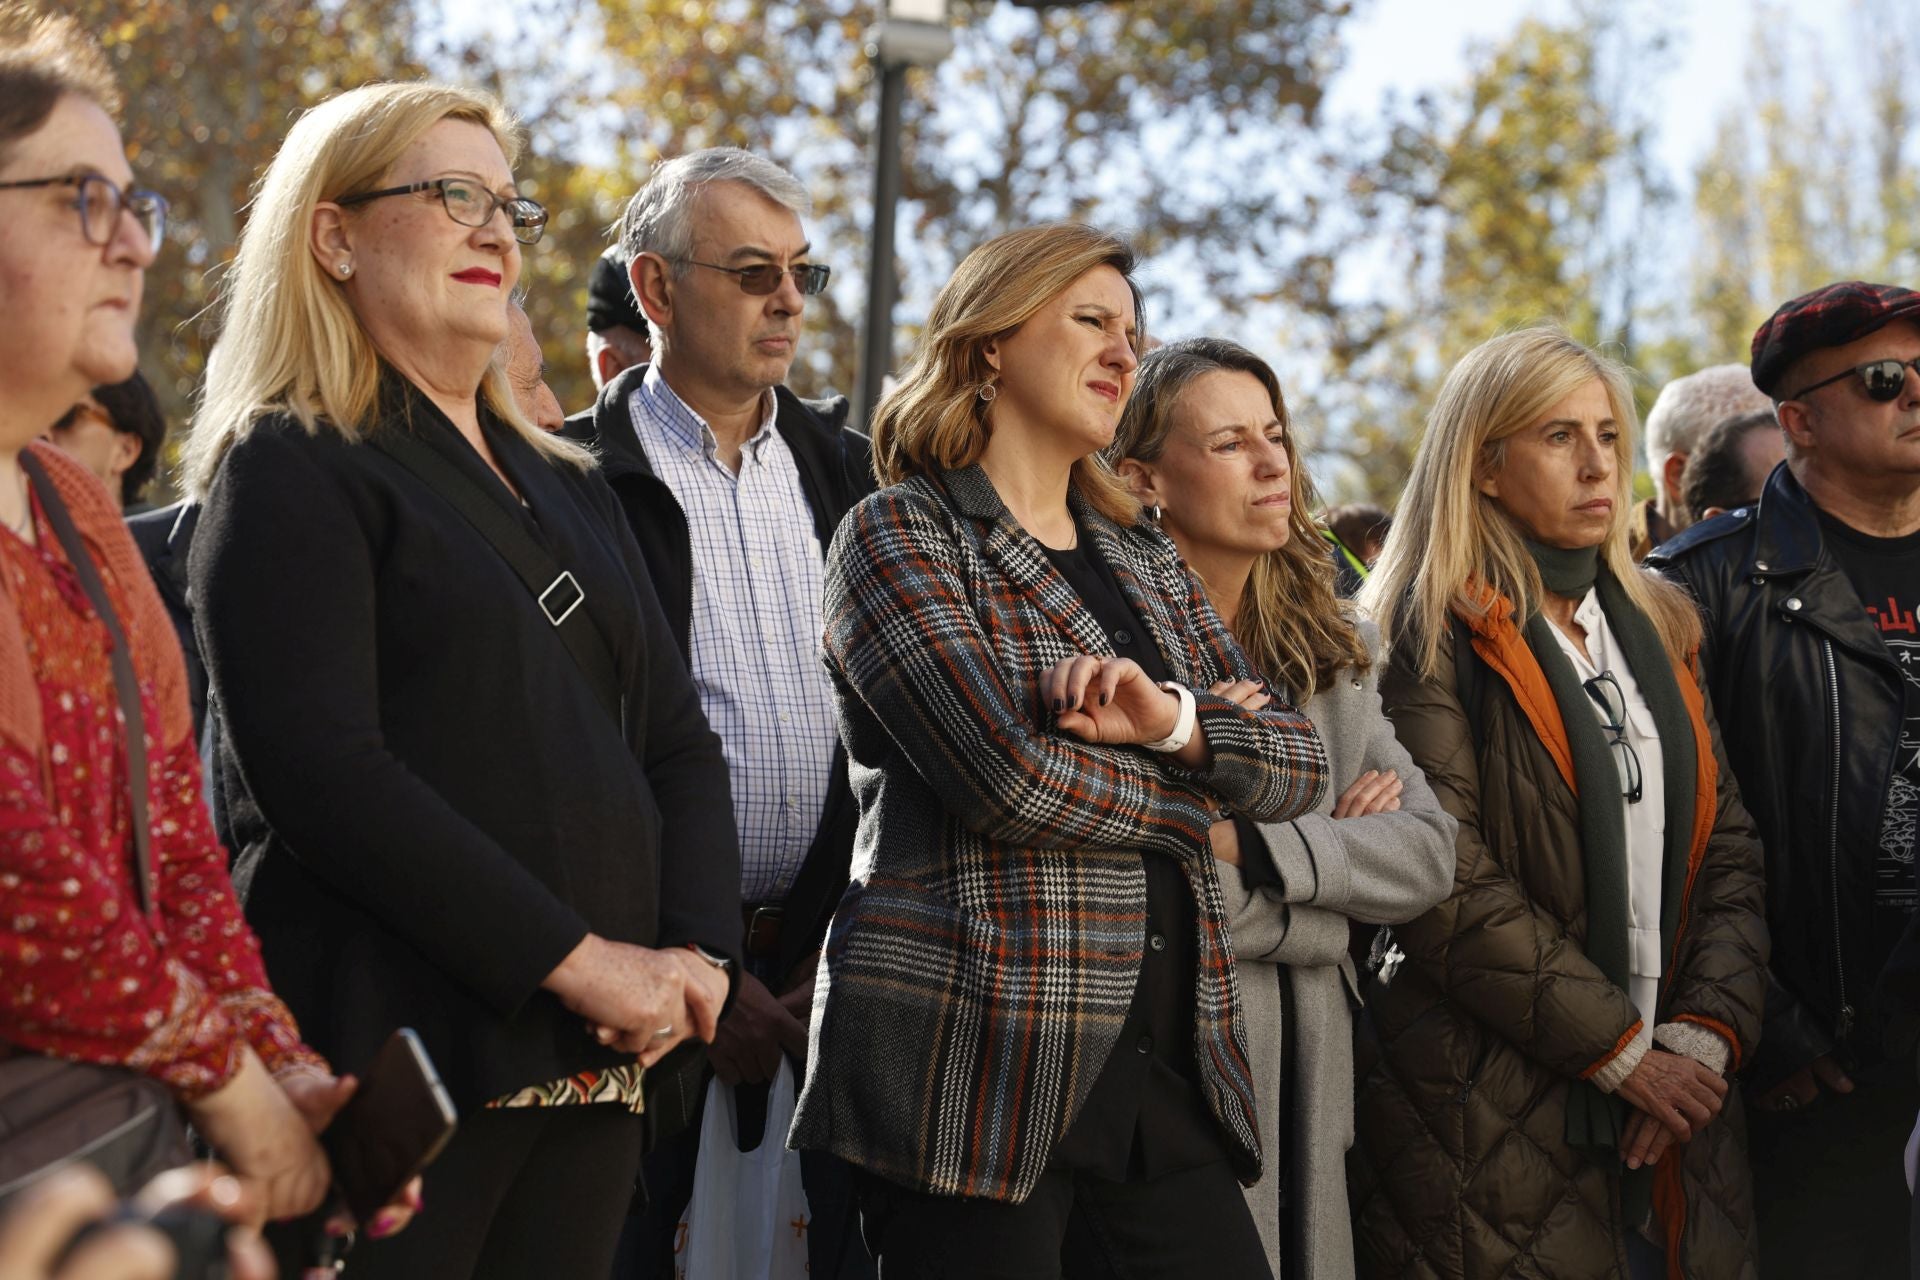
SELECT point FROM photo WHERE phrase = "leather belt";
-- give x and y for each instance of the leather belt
(761, 922)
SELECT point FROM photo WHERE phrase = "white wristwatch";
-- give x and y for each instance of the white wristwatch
(1183, 724)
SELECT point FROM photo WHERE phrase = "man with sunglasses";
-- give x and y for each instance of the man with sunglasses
(1813, 661)
(734, 486)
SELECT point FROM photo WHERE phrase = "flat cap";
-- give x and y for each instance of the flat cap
(1831, 316)
(610, 295)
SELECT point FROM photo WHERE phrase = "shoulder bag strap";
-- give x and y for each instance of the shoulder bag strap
(559, 596)
(134, 736)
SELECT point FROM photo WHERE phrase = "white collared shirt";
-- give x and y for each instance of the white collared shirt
(758, 615)
(1646, 821)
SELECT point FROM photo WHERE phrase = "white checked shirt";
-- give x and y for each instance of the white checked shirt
(757, 622)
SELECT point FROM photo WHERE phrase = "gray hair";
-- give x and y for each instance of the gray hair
(1687, 408)
(659, 218)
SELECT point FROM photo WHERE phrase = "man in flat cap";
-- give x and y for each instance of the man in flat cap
(1812, 657)
(616, 330)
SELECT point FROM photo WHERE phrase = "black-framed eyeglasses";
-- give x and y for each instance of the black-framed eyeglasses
(101, 202)
(763, 278)
(471, 204)
(1605, 690)
(1882, 380)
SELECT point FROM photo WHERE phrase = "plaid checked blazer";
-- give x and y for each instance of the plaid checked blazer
(986, 951)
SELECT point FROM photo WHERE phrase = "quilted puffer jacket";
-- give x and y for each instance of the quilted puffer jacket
(1460, 1167)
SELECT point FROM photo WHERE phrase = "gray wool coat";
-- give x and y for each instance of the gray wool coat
(1383, 869)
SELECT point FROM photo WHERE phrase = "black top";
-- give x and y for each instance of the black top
(1145, 1116)
(431, 807)
(1810, 701)
(1885, 572)
(164, 536)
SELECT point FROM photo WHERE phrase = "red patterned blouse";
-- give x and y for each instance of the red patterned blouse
(83, 973)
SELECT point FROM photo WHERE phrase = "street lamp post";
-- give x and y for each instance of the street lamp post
(913, 33)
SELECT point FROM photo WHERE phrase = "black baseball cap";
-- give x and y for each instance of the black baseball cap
(610, 295)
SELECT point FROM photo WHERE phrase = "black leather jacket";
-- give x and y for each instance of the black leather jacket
(1810, 704)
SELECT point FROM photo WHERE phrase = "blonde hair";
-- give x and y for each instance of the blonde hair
(289, 342)
(1291, 623)
(935, 420)
(1449, 538)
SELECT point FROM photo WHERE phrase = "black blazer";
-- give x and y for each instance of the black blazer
(164, 536)
(432, 808)
(836, 471)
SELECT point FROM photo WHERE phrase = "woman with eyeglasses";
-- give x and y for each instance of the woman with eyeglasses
(1207, 445)
(465, 769)
(1543, 1089)
(121, 942)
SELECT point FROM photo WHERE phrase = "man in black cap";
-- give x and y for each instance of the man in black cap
(616, 331)
(1812, 656)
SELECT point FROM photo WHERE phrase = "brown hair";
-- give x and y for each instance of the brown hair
(935, 419)
(1291, 623)
(1357, 523)
(44, 57)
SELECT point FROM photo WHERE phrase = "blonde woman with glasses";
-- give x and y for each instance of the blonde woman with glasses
(465, 769)
(1545, 1089)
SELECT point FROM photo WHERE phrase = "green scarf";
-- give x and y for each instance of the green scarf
(1597, 1120)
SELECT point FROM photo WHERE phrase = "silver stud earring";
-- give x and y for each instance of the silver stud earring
(989, 391)
(1153, 512)
(346, 269)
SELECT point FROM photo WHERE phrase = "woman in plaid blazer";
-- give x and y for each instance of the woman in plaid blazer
(1026, 1008)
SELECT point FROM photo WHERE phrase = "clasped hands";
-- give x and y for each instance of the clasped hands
(1673, 1098)
(637, 999)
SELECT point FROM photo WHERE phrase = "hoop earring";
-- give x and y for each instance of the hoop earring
(989, 392)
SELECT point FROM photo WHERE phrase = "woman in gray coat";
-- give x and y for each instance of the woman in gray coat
(1205, 441)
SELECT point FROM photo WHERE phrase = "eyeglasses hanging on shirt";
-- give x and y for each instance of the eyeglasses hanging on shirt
(1606, 692)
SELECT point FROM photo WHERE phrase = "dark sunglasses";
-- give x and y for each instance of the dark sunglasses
(1882, 380)
(1605, 691)
(763, 277)
(470, 204)
(101, 202)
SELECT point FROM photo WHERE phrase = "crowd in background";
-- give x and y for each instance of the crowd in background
(1133, 867)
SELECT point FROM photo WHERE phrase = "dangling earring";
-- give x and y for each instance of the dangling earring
(989, 391)
(1153, 512)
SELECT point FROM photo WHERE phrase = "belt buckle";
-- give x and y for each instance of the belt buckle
(571, 598)
(770, 915)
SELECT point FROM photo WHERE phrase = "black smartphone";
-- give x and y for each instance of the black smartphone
(397, 1121)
